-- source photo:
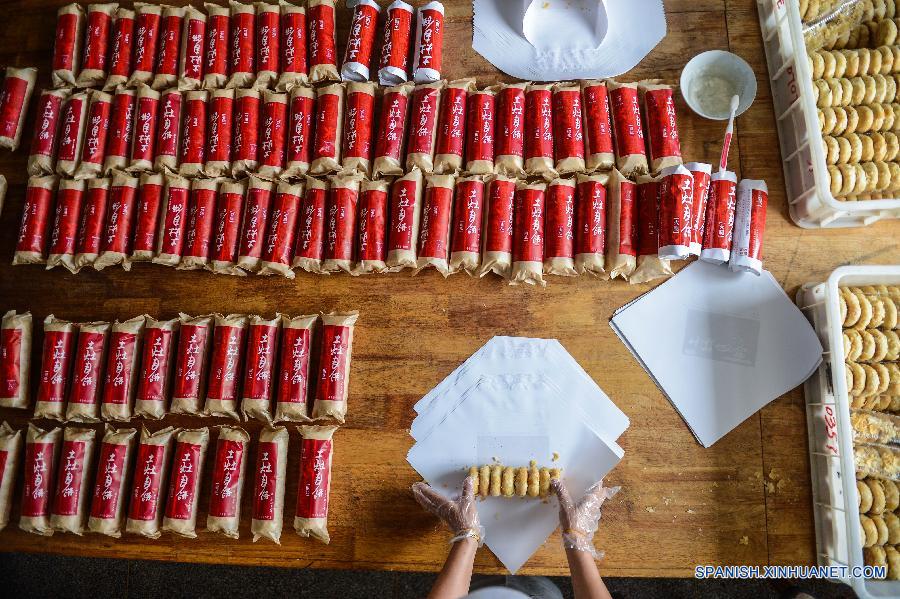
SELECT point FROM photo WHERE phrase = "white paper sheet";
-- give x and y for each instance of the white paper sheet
(514, 419)
(720, 345)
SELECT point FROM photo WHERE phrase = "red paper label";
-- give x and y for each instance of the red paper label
(559, 228)
(596, 120)
(169, 124)
(273, 134)
(146, 37)
(327, 116)
(4, 458)
(170, 38)
(66, 34)
(627, 193)
(293, 43)
(242, 42)
(145, 228)
(500, 217)
(190, 361)
(321, 35)
(568, 130)
(147, 482)
(71, 128)
(341, 225)
(423, 121)
(110, 469)
(480, 128)
(193, 52)
(47, 126)
(393, 125)
(539, 123)
(94, 149)
(311, 238)
(510, 122)
(145, 128)
(627, 122)
(120, 56)
(372, 219)
(267, 41)
(227, 356)
(10, 362)
(334, 363)
(174, 222)
(246, 128)
(648, 196)
(95, 40)
(397, 39)
(90, 233)
(362, 35)
(12, 103)
(224, 497)
(759, 200)
(266, 481)
(218, 141)
(403, 214)
(282, 228)
(119, 219)
(676, 203)
(119, 368)
(294, 365)
(35, 218)
(590, 236)
(262, 340)
(698, 210)
(65, 225)
(433, 233)
(467, 211)
(56, 362)
(152, 383)
(719, 215)
(256, 217)
(300, 136)
(529, 226)
(358, 126)
(68, 484)
(661, 126)
(229, 208)
(431, 43)
(193, 147)
(121, 122)
(452, 131)
(315, 475)
(217, 44)
(183, 485)
(39, 464)
(89, 350)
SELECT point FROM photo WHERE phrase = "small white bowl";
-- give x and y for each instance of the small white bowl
(711, 78)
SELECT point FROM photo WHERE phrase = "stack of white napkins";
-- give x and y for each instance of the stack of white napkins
(513, 401)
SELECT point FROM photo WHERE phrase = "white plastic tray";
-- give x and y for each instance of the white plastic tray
(810, 201)
(835, 500)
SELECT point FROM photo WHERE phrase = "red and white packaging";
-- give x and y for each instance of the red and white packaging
(166, 74)
(628, 129)
(147, 27)
(192, 56)
(650, 265)
(10, 450)
(719, 225)
(172, 221)
(598, 139)
(310, 248)
(361, 40)
(117, 233)
(56, 369)
(93, 151)
(701, 173)
(481, 115)
(143, 150)
(15, 359)
(151, 470)
(96, 45)
(468, 217)
(405, 211)
(559, 228)
(41, 455)
(158, 347)
(121, 378)
(568, 128)
(294, 63)
(268, 484)
(42, 159)
(73, 124)
(146, 221)
(749, 226)
(423, 126)
(539, 131)
(89, 358)
(228, 476)
(372, 215)
(434, 230)
(273, 135)
(109, 497)
(499, 211)
(93, 223)
(180, 516)
(227, 228)
(256, 218)
(121, 125)
(391, 134)
(334, 366)
(14, 98)
(621, 255)
(71, 494)
(193, 137)
(429, 42)
(663, 145)
(282, 230)
(590, 224)
(168, 130)
(359, 120)
(242, 55)
(218, 133)
(300, 131)
(340, 223)
(314, 491)
(66, 62)
(326, 149)
(64, 233)
(245, 142)
(121, 42)
(509, 144)
(33, 241)
(226, 365)
(215, 55)
(293, 368)
(528, 234)
(191, 364)
(322, 45)
(451, 135)
(259, 374)
(676, 205)
(268, 41)
(393, 66)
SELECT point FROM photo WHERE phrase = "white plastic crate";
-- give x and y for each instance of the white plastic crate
(838, 538)
(810, 201)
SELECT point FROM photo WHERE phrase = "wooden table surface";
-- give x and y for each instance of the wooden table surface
(680, 504)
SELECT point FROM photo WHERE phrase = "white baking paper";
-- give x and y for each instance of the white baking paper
(720, 345)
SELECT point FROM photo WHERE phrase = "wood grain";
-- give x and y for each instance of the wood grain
(680, 504)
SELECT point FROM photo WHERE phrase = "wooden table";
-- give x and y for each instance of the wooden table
(680, 505)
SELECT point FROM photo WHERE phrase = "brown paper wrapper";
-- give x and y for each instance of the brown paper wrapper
(329, 404)
(590, 263)
(55, 410)
(226, 406)
(423, 161)
(112, 526)
(398, 259)
(90, 381)
(293, 370)
(329, 164)
(67, 77)
(75, 523)
(259, 370)
(617, 264)
(179, 481)
(431, 224)
(109, 257)
(315, 527)
(162, 362)
(199, 349)
(21, 323)
(151, 528)
(229, 525)
(264, 527)
(123, 412)
(40, 524)
(11, 445)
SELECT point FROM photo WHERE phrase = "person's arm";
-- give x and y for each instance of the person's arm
(586, 581)
(456, 575)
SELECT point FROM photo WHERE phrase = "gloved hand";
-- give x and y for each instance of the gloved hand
(579, 521)
(459, 514)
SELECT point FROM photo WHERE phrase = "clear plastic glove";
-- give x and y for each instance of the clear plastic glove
(579, 521)
(460, 514)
